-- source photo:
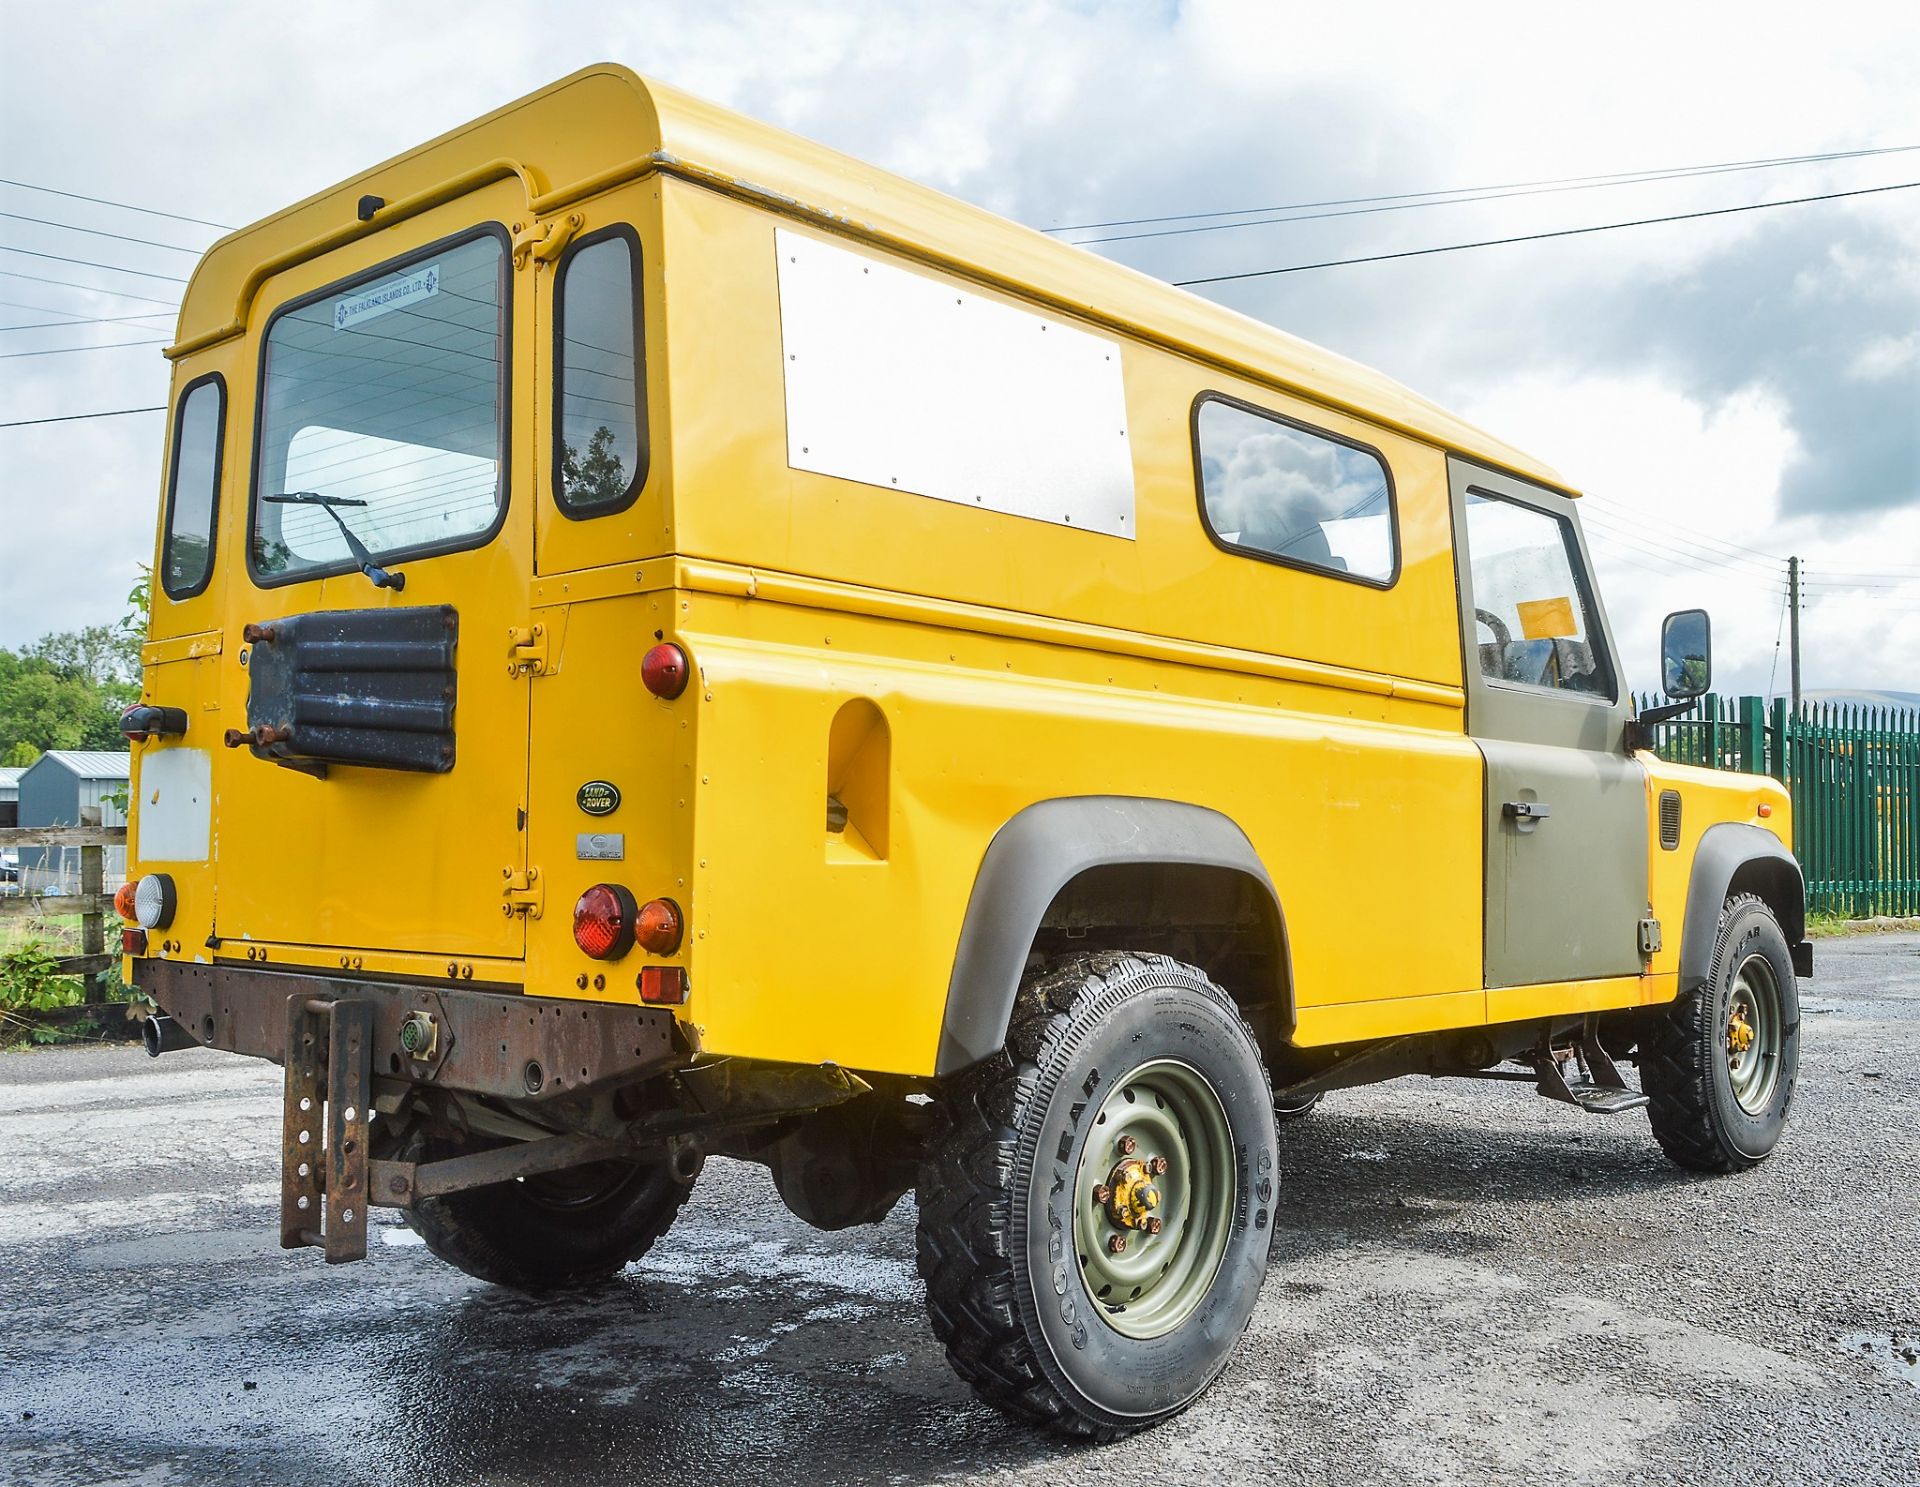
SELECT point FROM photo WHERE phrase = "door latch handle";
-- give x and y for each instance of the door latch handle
(1526, 810)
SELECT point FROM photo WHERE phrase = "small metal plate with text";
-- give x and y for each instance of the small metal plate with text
(601, 846)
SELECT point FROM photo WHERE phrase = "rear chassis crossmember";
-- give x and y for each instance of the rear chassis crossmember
(335, 1035)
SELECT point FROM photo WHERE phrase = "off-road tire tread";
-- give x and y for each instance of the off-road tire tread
(965, 1247)
(1677, 1054)
(465, 1242)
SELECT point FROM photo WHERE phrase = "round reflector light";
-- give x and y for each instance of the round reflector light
(154, 901)
(658, 930)
(123, 901)
(603, 921)
(664, 669)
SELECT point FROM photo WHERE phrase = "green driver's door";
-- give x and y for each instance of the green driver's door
(1565, 807)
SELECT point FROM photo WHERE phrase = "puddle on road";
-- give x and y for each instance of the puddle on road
(1897, 1354)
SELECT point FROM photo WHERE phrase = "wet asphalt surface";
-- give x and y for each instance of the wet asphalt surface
(1468, 1283)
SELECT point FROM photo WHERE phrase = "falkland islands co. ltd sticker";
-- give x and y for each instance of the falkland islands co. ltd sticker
(393, 295)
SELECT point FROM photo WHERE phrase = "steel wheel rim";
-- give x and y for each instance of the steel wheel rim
(1158, 1280)
(1754, 1020)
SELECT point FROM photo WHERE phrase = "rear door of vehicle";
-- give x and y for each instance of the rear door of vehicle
(390, 406)
(1565, 808)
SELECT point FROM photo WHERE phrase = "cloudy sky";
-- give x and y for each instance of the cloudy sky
(1728, 390)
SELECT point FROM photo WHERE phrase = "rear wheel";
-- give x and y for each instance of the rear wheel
(1096, 1202)
(557, 1231)
(1718, 1067)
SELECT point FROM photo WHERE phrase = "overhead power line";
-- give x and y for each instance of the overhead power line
(100, 233)
(1534, 237)
(1448, 201)
(117, 268)
(1619, 175)
(1696, 533)
(123, 205)
(69, 350)
(81, 320)
(145, 299)
(22, 423)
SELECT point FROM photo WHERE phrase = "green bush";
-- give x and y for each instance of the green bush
(29, 982)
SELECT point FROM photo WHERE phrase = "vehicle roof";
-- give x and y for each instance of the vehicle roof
(89, 764)
(606, 123)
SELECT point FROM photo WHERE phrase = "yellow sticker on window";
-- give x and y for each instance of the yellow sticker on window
(1547, 619)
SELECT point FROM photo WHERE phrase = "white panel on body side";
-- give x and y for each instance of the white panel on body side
(911, 383)
(175, 809)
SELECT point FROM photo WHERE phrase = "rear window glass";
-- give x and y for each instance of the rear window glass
(600, 449)
(382, 407)
(1277, 489)
(193, 489)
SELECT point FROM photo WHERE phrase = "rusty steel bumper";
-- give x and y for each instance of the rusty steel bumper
(336, 1035)
(483, 1042)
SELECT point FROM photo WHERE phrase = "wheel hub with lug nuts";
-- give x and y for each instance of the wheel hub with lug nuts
(1155, 1194)
(1755, 1034)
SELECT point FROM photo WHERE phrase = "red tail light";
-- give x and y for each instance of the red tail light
(133, 941)
(659, 927)
(663, 986)
(665, 670)
(603, 921)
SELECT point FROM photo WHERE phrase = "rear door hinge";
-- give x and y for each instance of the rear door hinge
(527, 650)
(524, 892)
(1649, 936)
(544, 241)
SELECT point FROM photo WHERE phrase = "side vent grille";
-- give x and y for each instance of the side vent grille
(1669, 820)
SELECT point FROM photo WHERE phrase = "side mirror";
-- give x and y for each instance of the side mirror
(1686, 653)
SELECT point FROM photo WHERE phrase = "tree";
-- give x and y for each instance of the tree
(596, 477)
(67, 690)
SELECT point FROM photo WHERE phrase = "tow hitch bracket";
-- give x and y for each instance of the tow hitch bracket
(324, 1122)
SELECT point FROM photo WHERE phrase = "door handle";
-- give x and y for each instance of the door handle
(1526, 810)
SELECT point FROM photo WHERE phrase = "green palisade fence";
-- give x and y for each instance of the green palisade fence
(1854, 772)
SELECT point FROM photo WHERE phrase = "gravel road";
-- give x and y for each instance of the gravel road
(1468, 1283)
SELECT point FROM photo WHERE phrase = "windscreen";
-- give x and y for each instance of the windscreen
(382, 412)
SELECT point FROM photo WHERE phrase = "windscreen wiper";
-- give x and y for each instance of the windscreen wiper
(380, 577)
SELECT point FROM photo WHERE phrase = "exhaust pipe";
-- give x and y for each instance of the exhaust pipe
(162, 1034)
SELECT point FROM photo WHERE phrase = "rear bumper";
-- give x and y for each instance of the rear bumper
(489, 1043)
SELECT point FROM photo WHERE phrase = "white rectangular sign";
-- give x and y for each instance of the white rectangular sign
(392, 295)
(898, 379)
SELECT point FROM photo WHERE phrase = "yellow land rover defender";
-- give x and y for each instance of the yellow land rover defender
(672, 642)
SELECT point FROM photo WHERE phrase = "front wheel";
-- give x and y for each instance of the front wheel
(1097, 1202)
(1718, 1067)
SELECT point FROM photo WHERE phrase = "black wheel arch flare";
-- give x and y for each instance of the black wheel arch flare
(1042, 849)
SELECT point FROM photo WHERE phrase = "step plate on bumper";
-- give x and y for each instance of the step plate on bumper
(329, 1086)
(509, 1046)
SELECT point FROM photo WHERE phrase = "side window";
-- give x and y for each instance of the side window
(1277, 489)
(600, 437)
(193, 488)
(1533, 613)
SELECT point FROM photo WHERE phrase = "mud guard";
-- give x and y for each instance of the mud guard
(1036, 854)
(1739, 851)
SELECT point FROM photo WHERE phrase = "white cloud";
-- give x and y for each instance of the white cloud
(1885, 356)
(1071, 112)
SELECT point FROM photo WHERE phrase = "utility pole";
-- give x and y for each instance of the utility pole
(1793, 622)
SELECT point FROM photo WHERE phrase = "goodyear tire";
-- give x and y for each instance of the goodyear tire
(559, 1231)
(1718, 1067)
(1130, 1105)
